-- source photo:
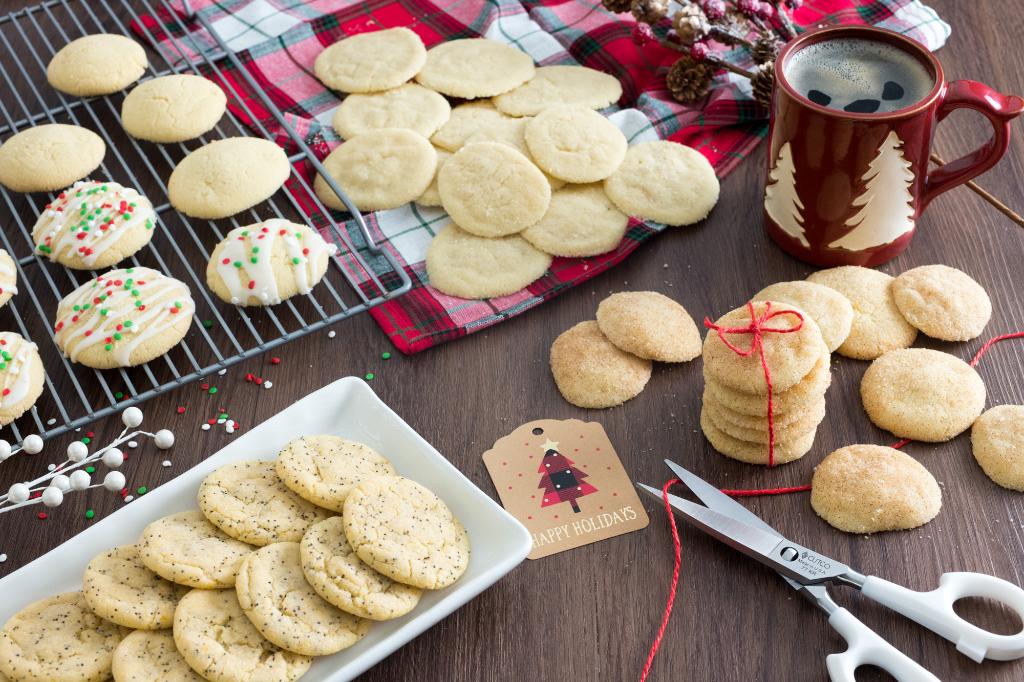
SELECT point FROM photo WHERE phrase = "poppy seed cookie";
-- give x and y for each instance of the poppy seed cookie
(324, 469)
(187, 549)
(118, 586)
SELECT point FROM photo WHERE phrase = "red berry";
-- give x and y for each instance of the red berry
(699, 51)
(642, 34)
(714, 9)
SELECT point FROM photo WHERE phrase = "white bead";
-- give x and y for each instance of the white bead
(77, 451)
(52, 496)
(5, 450)
(32, 444)
(113, 481)
(132, 417)
(163, 439)
(62, 482)
(113, 458)
(79, 480)
(17, 493)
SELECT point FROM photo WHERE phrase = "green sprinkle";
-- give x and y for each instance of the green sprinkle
(386, 355)
(87, 440)
(107, 346)
(135, 293)
(213, 389)
(127, 323)
(117, 336)
(45, 249)
(89, 513)
(138, 304)
(254, 259)
(370, 376)
(104, 311)
(126, 216)
(238, 264)
(142, 490)
(222, 415)
(296, 260)
(3, 365)
(90, 470)
(118, 395)
(208, 323)
(255, 249)
(130, 270)
(76, 308)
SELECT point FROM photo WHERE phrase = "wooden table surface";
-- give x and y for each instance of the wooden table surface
(591, 613)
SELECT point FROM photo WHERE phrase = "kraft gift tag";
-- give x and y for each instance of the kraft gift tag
(565, 483)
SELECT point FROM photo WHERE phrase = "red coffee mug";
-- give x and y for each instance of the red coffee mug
(847, 188)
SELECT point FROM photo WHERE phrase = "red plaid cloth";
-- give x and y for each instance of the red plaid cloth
(278, 40)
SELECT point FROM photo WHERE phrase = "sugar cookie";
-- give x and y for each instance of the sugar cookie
(590, 371)
(72, 153)
(249, 502)
(410, 106)
(93, 225)
(378, 170)
(123, 318)
(997, 441)
(575, 143)
(268, 262)
(877, 324)
(554, 85)
(58, 639)
(830, 309)
(649, 325)
(332, 568)
(216, 639)
(943, 302)
(323, 469)
(431, 197)
(491, 190)
(371, 61)
(759, 422)
(404, 531)
(580, 221)
(475, 67)
(465, 120)
(804, 393)
(510, 131)
(8, 277)
(753, 453)
(21, 376)
(922, 394)
(144, 656)
(173, 108)
(756, 431)
(187, 549)
(665, 182)
(97, 64)
(466, 266)
(276, 598)
(227, 176)
(118, 586)
(873, 488)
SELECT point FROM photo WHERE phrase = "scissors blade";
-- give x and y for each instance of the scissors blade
(719, 501)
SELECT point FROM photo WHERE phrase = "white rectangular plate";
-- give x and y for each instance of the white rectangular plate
(347, 408)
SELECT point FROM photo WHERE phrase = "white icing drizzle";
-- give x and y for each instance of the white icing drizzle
(120, 309)
(15, 374)
(8, 274)
(88, 218)
(245, 262)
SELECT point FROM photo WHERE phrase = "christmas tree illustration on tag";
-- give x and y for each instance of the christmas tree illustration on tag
(781, 200)
(560, 480)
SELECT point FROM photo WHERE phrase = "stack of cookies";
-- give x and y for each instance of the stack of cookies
(734, 415)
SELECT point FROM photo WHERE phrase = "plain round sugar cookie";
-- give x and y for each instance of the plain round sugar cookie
(664, 181)
(466, 266)
(332, 568)
(791, 356)
(323, 469)
(943, 302)
(753, 453)
(269, 262)
(123, 318)
(93, 225)
(410, 106)
(97, 64)
(58, 639)
(590, 371)
(21, 376)
(575, 144)
(378, 170)
(922, 394)
(404, 531)
(465, 120)
(227, 176)
(877, 324)
(173, 108)
(207, 619)
(249, 502)
(187, 549)
(804, 393)
(789, 430)
(554, 85)
(831, 310)
(649, 325)
(510, 131)
(72, 152)
(727, 417)
(580, 221)
(8, 277)
(276, 598)
(475, 67)
(431, 197)
(491, 190)
(873, 488)
(371, 61)
(118, 586)
(997, 441)
(145, 656)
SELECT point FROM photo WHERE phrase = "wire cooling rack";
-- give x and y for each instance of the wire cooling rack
(361, 276)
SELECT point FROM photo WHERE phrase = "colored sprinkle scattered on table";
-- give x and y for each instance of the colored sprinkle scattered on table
(142, 490)
(89, 513)
(370, 376)
(386, 355)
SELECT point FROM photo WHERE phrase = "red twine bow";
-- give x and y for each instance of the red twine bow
(757, 328)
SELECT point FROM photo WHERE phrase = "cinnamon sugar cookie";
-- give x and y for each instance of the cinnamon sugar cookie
(829, 308)
(474, 67)
(997, 441)
(371, 61)
(649, 325)
(753, 453)
(756, 430)
(943, 302)
(804, 393)
(590, 371)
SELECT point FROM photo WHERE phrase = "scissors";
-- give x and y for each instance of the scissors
(808, 572)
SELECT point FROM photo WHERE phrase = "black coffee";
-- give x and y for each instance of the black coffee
(858, 76)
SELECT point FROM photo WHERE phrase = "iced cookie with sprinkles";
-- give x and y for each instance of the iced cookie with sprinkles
(8, 277)
(123, 318)
(118, 586)
(268, 262)
(93, 225)
(21, 376)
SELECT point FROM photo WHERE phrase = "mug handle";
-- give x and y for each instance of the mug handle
(998, 108)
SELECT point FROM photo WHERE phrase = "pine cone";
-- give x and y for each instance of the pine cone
(617, 6)
(690, 24)
(689, 80)
(649, 11)
(765, 50)
(762, 83)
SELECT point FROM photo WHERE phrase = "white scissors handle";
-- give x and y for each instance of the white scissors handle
(934, 610)
(864, 647)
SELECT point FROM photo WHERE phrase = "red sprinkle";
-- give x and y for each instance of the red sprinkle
(42, 516)
(204, 386)
(181, 410)
(275, 361)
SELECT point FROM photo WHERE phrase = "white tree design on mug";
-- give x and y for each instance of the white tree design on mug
(780, 198)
